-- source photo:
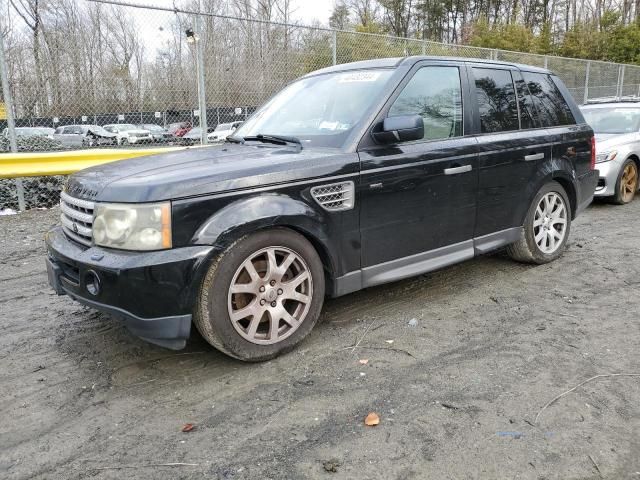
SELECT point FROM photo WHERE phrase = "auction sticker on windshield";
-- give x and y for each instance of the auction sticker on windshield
(359, 77)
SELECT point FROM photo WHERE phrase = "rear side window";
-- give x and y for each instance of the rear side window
(435, 94)
(496, 100)
(551, 106)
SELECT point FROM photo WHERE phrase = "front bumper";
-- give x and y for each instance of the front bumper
(609, 172)
(152, 292)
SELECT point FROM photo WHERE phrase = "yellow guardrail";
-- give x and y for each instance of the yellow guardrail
(36, 164)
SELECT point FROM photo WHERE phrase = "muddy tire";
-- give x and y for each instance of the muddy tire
(261, 296)
(627, 183)
(546, 227)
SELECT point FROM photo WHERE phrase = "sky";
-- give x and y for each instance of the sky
(155, 24)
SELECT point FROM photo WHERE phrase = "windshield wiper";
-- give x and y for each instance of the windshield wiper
(276, 139)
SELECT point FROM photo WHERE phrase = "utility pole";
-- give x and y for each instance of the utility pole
(11, 124)
(202, 100)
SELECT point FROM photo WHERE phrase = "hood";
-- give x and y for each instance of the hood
(203, 170)
(609, 141)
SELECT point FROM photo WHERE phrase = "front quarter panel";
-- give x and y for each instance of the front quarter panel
(334, 234)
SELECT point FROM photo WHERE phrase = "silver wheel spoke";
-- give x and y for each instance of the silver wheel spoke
(287, 317)
(248, 311)
(251, 270)
(244, 288)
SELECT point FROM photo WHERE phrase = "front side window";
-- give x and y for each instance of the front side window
(322, 110)
(550, 104)
(496, 100)
(435, 94)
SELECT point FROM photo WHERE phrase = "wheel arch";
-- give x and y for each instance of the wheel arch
(263, 212)
(569, 186)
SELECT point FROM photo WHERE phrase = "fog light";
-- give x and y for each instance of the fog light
(92, 282)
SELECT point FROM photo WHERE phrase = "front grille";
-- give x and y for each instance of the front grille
(334, 197)
(76, 218)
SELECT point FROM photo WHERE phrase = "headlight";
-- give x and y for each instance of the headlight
(133, 227)
(606, 156)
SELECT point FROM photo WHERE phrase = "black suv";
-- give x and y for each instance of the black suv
(352, 176)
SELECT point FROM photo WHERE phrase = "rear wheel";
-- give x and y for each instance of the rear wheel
(627, 184)
(261, 296)
(546, 227)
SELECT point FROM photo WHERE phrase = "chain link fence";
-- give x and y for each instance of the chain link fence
(133, 76)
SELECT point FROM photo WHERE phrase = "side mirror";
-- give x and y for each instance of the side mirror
(401, 128)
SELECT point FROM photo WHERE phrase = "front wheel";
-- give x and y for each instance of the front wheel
(261, 296)
(546, 227)
(627, 183)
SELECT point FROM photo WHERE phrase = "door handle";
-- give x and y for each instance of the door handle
(533, 156)
(456, 170)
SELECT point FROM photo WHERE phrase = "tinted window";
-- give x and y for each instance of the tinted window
(550, 105)
(496, 100)
(435, 94)
(525, 103)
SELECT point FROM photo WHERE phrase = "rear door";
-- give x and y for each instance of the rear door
(512, 147)
(571, 142)
(419, 196)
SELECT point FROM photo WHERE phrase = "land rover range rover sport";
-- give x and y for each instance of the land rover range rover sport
(352, 176)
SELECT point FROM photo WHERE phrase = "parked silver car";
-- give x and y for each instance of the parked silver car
(617, 131)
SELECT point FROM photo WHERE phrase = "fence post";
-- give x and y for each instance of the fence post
(202, 100)
(334, 47)
(586, 83)
(620, 81)
(11, 124)
(546, 62)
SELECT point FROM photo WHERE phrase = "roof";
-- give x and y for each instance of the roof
(394, 62)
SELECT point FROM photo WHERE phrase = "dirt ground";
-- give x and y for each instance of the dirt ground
(461, 362)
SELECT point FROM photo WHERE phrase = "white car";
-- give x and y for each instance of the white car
(222, 131)
(127, 133)
(617, 130)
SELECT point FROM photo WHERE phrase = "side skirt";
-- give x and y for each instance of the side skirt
(424, 262)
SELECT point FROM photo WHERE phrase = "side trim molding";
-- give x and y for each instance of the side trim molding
(495, 240)
(417, 264)
(423, 262)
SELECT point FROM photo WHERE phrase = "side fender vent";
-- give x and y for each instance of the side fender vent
(335, 197)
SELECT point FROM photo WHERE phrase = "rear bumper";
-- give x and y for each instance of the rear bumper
(152, 292)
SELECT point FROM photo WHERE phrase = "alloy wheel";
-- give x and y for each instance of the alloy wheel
(270, 295)
(550, 223)
(629, 182)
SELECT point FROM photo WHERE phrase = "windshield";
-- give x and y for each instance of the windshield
(98, 130)
(152, 127)
(320, 111)
(124, 127)
(223, 126)
(28, 131)
(615, 120)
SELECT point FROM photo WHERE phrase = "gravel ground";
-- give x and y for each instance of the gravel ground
(460, 362)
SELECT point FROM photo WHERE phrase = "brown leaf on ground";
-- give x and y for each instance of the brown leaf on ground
(187, 427)
(372, 419)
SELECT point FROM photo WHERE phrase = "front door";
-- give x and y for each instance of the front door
(418, 198)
